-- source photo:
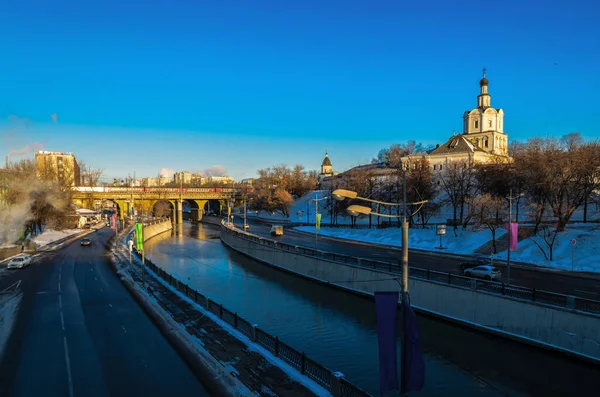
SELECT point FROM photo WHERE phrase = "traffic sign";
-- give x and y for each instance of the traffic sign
(573, 242)
(440, 230)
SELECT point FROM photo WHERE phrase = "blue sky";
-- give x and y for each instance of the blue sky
(249, 84)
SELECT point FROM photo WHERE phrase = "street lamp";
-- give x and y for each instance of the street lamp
(356, 210)
(316, 200)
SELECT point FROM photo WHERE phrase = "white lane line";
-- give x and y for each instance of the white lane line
(58, 287)
(95, 278)
(15, 284)
(60, 301)
(59, 277)
(69, 378)
(62, 320)
(586, 292)
(124, 330)
(110, 304)
(90, 262)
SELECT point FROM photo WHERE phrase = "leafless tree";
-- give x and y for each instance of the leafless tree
(488, 211)
(458, 181)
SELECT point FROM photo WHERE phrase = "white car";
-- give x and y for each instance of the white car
(486, 272)
(19, 262)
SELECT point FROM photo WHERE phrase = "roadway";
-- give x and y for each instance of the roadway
(553, 281)
(79, 332)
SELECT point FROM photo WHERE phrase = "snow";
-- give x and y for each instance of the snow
(50, 236)
(9, 307)
(585, 251)
(465, 242)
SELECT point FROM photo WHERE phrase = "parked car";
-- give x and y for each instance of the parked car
(486, 272)
(86, 241)
(276, 230)
(19, 262)
(473, 263)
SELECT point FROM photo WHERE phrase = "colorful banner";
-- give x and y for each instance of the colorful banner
(413, 364)
(514, 235)
(113, 221)
(386, 305)
(318, 221)
(228, 211)
(139, 236)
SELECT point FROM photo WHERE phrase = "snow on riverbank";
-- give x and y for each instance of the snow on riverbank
(464, 243)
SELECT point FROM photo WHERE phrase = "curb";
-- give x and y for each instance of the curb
(213, 377)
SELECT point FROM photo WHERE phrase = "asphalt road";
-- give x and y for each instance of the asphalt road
(580, 285)
(80, 333)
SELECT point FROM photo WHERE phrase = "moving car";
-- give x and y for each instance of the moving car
(486, 272)
(473, 263)
(19, 262)
(276, 230)
(86, 241)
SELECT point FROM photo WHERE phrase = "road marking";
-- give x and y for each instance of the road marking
(95, 279)
(124, 330)
(69, 378)
(59, 277)
(62, 320)
(110, 304)
(58, 287)
(586, 292)
(60, 301)
(90, 262)
(15, 284)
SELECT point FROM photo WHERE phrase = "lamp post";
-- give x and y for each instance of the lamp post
(510, 200)
(356, 210)
(316, 200)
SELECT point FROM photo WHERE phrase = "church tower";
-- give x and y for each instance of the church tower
(484, 125)
(326, 167)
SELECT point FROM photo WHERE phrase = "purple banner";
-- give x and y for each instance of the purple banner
(114, 222)
(514, 235)
(413, 364)
(386, 305)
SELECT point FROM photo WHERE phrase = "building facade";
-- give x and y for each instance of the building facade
(184, 178)
(59, 167)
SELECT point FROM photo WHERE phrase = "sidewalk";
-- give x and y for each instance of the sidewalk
(213, 342)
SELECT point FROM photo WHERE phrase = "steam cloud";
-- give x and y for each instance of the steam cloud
(166, 172)
(28, 190)
(34, 147)
(215, 170)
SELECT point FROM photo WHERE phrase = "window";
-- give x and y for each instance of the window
(485, 142)
(441, 167)
(476, 123)
(435, 166)
(489, 122)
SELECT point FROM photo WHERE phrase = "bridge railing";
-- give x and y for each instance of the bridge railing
(337, 385)
(136, 190)
(514, 291)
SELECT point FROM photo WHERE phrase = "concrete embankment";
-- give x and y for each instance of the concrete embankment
(555, 328)
(156, 228)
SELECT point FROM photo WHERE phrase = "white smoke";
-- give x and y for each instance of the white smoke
(215, 170)
(166, 173)
(32, 148)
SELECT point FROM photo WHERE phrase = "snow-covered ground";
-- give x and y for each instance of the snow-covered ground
(49, 236)
(426, 239)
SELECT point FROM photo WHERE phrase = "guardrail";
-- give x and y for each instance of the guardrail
(337, 385)
(509, 290)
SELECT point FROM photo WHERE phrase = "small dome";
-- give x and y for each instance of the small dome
(483, 82)
(326, 161)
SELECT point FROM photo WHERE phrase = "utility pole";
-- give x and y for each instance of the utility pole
(316, 220)
(245, 211)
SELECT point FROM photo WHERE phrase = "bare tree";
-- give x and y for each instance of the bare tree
(458, 181)
(488, 211)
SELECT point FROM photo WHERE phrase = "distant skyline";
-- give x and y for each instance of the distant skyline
(244, 86)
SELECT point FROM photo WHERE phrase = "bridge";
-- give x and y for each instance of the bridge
(143, 199)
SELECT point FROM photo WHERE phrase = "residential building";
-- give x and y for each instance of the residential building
(57, 166)
(198, 180)
(224, 180)
(183, 177)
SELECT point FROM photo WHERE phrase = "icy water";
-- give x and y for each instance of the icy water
(335, 328)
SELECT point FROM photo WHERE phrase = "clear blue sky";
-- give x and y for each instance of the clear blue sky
(249, 84)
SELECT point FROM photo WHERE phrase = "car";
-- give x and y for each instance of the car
(19, 262)
(486, 272)
(276, 230)
(473, 263)
(86, 241)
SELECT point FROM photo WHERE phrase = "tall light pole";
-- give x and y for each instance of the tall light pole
(316, 200)
(404, 239)
(510, 200)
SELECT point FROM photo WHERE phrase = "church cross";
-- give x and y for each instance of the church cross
(484, 72)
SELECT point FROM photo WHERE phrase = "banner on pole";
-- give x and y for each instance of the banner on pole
(413, 363)
(386, 305)
(113, 221)
(318, 221)
(139, 236)
(514, 235)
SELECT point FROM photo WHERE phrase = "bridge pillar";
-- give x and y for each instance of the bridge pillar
(194, 215)
(179, 212)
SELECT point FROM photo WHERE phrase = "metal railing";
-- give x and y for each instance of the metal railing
(493, 287)
(339, 387)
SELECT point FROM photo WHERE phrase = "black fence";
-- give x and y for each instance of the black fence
(509, 290)
(306, 366)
